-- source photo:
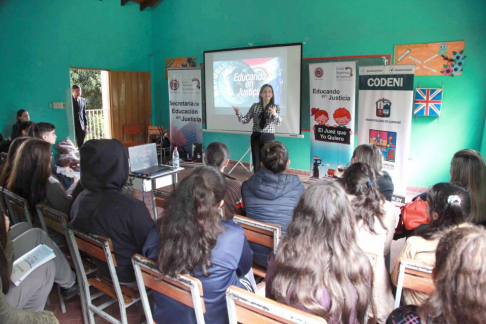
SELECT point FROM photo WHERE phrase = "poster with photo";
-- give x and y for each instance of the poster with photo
(385, 117)
(332, 102)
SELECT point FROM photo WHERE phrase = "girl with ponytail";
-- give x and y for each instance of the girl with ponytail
(193, 238)
(448, 206)
(376, 221)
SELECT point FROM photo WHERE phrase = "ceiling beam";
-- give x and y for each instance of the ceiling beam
(148, 3)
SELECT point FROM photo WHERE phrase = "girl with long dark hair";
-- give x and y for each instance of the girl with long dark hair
(31, 177)
(7, 169)
(318, 266)
(266, 115)
(376, 220)
(448, 206)
(460, 282)
(469, 171)
(193, 238)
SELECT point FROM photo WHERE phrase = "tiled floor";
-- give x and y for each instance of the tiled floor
(135, 313)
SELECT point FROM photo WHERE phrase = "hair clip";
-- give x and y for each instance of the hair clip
(452, 199)
(369, 183)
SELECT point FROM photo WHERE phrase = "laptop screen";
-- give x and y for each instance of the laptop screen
(142, 156)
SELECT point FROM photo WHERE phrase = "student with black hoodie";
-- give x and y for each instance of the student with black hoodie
(101, 208)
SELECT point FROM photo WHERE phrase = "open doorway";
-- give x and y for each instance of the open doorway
(94, 86)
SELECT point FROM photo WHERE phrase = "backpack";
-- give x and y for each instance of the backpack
(413, 214)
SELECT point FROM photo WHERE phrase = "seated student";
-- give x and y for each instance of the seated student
(319, 267)
(460, 282)
(22, 116)
(18, 303)
(448, 207)
(47, 132)
(376, 221)
(371, 155)
(271, 195)
(31, 177)
(193, 238)
(25, 127)
(468, 170)
(101, 208)
(7, 169)
(217, 155)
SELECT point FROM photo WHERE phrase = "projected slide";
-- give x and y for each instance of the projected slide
(238, 83)
(235, 77)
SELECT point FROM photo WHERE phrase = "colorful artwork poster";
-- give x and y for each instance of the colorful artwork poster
(443, 58)
(386, 141)
(179, 63)
(332, 102)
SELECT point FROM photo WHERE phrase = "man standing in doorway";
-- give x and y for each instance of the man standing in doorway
(79, 114)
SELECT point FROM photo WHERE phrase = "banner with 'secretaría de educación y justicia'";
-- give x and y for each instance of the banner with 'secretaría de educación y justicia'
(185, 104)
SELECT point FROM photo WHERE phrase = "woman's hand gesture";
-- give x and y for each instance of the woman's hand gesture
(237, 110)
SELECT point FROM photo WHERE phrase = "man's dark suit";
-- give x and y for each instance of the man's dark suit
(80, 119)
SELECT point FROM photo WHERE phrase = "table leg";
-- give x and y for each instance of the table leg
(174, 180)
(154, 206)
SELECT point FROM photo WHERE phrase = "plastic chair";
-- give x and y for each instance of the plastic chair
(135, 132)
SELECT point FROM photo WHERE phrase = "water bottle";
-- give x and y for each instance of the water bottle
(175, 158)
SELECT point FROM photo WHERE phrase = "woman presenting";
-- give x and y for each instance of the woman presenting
(266, 115)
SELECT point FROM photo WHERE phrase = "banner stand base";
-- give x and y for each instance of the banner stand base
(250, 169)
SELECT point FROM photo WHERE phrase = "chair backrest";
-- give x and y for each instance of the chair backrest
(246, 307)
(184, 289)
(259, 232)
(18, 207)
(133, 130)
(158, 131)
(51, 218)
(415, 276)
(160, 198)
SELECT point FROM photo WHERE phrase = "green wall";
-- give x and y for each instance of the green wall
(332, 28)
(41, 40)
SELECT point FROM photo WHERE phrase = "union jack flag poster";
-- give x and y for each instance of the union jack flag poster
(428, 102)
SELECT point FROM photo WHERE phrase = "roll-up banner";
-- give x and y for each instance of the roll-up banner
(332, 102)
(385, 117)
(185, 104)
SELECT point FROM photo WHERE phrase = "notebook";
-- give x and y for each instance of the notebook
(143, 161)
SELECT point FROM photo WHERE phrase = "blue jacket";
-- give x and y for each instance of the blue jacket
(231, 259)
(270, 198)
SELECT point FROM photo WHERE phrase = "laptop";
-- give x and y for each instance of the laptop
(143, 161)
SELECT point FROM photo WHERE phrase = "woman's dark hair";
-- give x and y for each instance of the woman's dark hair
(20, 112)
(272, 101)
(31, 171)
(25, 126)
(452, 205)
(360, 180)
(275, 156)
(460, 279)
(469, 171)
(190, 227)
(216, 155)
(3, 259)
(371, 155)
(40, 129)
(320, 256)
(9, 164)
